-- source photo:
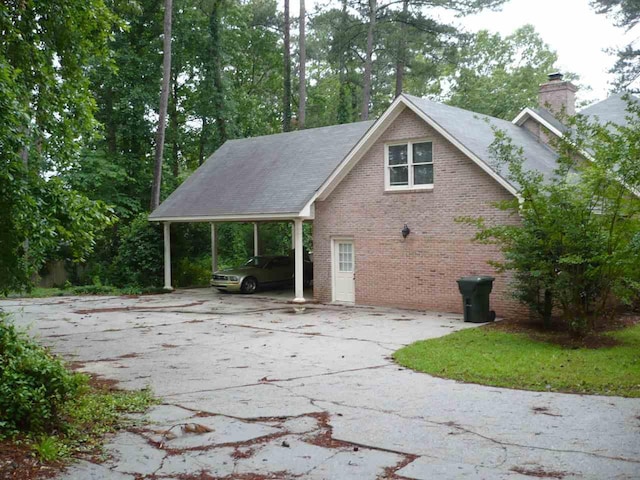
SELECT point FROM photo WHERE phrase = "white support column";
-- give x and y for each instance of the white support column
(255, 239)
(299, 259)
(293, 235)
(167, 256)
(214, 248)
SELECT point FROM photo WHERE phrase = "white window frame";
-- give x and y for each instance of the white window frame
(410, 186)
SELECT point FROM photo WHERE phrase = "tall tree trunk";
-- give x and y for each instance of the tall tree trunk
(343, 103)
(215, 53)
(368, 64)
(164, 99)
(173, 125)
(302, 103)
(402, 48)
(286, 97)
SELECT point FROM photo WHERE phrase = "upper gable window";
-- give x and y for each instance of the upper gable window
(409, 165)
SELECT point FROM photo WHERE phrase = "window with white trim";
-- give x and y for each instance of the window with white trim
(409, 165)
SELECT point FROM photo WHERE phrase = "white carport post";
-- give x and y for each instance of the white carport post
(255, 239)
(299, 266)
(214, 248)
(167, 256)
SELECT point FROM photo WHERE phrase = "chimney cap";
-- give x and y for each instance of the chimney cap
(555, 76)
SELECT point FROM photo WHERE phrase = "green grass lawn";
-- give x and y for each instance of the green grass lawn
(490, 356)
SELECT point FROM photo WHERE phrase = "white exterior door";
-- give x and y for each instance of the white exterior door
(344, 289)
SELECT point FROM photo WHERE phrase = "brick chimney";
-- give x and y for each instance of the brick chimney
(558, 96)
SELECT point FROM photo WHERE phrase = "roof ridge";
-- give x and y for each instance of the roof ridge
(299, 132)
(453, 107)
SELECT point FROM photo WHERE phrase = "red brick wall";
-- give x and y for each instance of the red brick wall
(541, 133)
(421, 271)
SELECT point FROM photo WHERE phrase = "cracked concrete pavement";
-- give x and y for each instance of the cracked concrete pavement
(253, 389)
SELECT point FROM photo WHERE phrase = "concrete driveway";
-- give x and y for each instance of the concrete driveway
(315, 395)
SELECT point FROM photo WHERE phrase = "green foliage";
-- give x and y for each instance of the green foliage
(96, 412)
(51, 408)
(89, 290)
(577, 245)
(46, 48)
(500, 76)
(34, 385)
(191, 272)
(140, 256)
(626, 14)
(86, 419)
(514, 360)
(49, 448)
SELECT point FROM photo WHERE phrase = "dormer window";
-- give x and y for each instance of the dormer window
(409, 165)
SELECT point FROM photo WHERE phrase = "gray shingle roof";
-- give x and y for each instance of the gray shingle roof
(474, 131)
(547, 116)
(278, 174)
(613, 109)
(273, 174)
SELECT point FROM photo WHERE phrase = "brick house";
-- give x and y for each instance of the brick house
(421, 165)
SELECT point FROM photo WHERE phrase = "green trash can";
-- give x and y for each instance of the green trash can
(475, 298)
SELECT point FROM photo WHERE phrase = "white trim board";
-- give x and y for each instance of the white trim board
(528, 113)
(265, 217)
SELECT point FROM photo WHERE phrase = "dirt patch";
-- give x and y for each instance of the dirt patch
(17, 462)
(324, 436)
(242, 453)
(559, 333)
(248, 476)
(96, 381)
(539, 472)
(134, 308)
(390, 473)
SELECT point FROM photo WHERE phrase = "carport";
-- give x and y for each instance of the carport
(263, 179)
(297, 245)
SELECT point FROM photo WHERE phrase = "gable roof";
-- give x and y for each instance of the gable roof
(476, 132)
(272, 175)
(470, 132)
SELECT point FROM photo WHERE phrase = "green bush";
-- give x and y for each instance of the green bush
(193, 272)
(34, 385)
(140, 257)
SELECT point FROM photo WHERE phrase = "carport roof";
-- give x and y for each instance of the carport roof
(272, 175)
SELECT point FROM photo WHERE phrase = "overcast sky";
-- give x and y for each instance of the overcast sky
(570, 27)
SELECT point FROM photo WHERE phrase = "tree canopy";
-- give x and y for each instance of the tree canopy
(81, 83)
(46, 50)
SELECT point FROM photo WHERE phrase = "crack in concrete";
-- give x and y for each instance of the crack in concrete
(275, 381)
(465, 430)
(315, 334)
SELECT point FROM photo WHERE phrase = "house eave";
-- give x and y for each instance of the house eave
(305, 214)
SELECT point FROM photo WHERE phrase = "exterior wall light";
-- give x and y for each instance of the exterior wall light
(405, 231)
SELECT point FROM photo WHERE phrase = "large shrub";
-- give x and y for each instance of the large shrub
(577, 248)
(140, 254)
(34, 385)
